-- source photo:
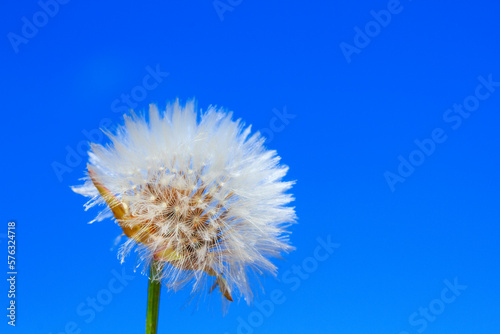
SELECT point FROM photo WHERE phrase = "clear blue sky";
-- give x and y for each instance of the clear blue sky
(391, 131)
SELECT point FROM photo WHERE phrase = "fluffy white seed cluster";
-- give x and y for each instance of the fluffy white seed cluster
(202, 197)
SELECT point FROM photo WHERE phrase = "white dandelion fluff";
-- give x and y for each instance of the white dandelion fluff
(202, 197)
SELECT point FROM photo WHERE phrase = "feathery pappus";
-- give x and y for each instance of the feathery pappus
(199, 194)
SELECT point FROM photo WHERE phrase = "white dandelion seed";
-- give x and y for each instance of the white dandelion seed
(201, 198)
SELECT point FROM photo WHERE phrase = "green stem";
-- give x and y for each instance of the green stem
(154, 288)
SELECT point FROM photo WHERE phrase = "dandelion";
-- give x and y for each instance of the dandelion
(199, 198)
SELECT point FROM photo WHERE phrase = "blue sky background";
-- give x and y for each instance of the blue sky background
(354, 116)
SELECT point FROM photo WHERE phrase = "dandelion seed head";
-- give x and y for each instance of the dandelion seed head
(202, 196)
